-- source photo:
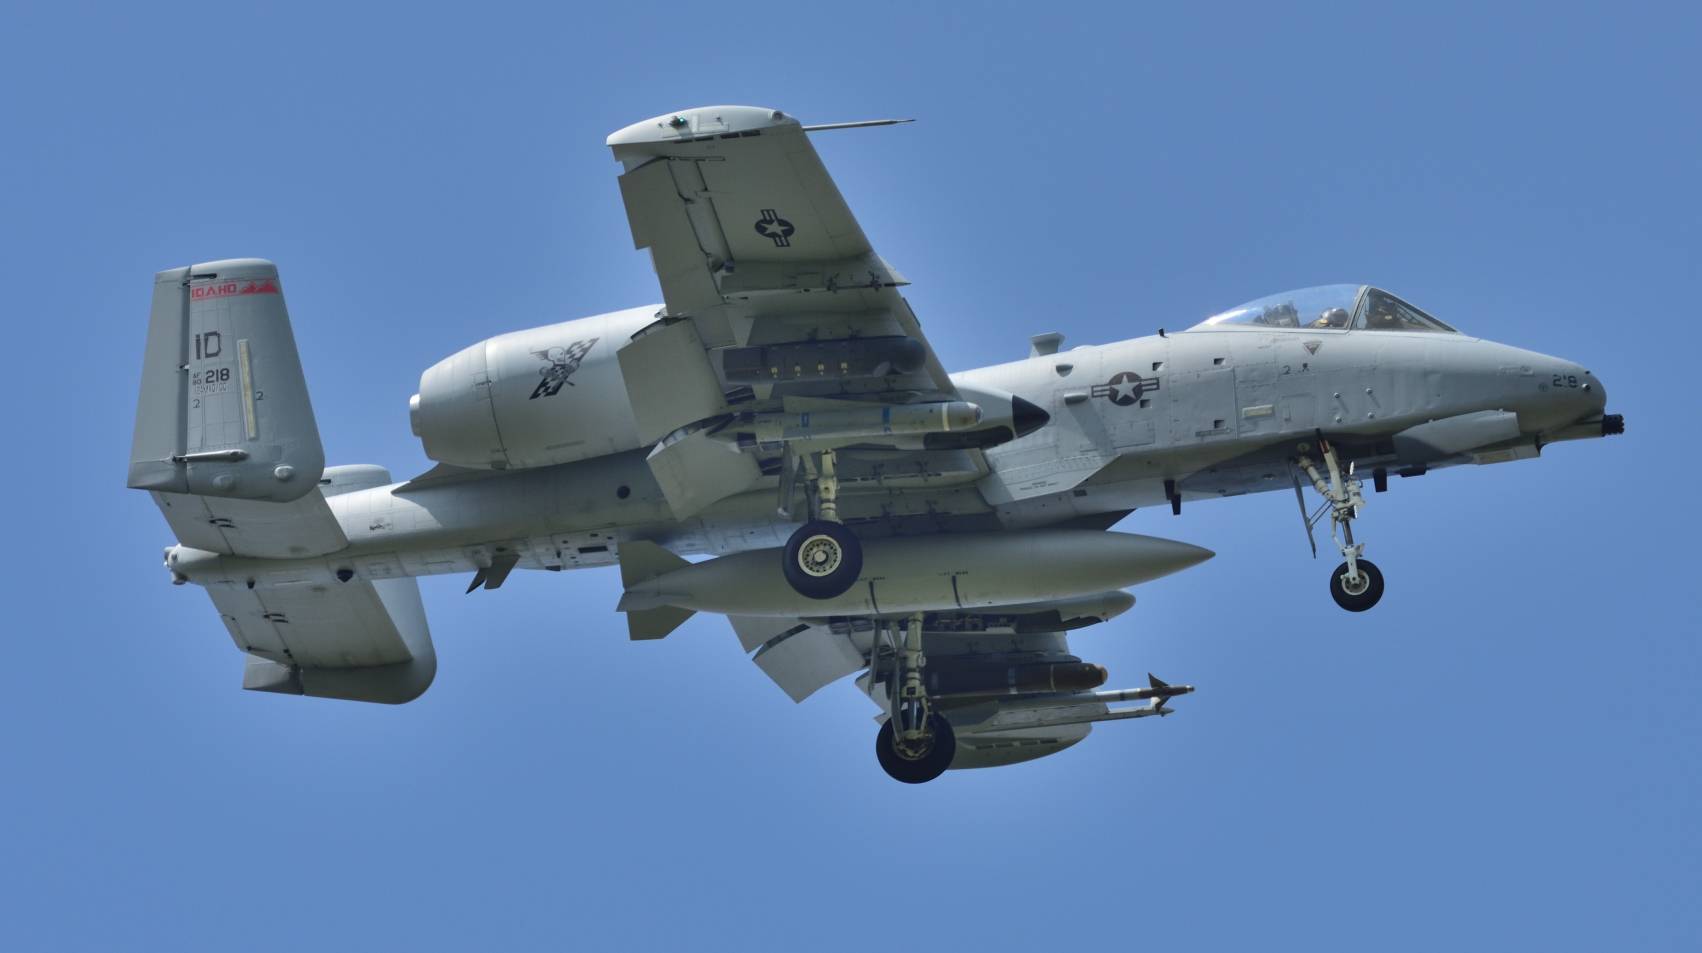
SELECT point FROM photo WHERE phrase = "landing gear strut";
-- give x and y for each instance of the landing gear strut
(1356, 585)
(915, 745)
(823, 558)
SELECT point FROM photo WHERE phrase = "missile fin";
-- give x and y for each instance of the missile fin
(649, 624)
(642, 561)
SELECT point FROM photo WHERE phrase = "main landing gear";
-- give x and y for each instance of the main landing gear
(1357, 584)
(915, 745)
(823, 558)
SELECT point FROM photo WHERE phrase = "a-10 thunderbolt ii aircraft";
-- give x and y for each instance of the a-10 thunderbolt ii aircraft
(783, 413)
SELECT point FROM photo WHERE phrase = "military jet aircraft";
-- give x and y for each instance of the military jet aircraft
(782, 413)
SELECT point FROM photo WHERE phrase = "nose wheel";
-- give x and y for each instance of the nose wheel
(1357, 584)
(1359, 591)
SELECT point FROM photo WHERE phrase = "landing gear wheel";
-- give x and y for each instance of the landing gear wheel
(1359, 594)
(822, 559)
(931, 765)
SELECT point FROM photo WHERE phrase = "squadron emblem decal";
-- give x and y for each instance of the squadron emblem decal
(1125, 388)
(563, 362)
(773, 226)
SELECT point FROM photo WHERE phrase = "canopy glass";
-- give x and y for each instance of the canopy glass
(1343, 307)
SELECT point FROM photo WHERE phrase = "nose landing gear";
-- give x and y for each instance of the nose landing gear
(1357, 584)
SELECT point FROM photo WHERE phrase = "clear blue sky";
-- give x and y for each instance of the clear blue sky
(1502, 755)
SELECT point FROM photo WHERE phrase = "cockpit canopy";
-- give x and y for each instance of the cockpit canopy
(1346, 307)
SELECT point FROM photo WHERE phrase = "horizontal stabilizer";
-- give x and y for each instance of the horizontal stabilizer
(300, 528)
(360, 641)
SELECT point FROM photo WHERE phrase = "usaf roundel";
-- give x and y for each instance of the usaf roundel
(773, 226)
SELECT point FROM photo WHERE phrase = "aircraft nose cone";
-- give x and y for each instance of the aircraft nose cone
(1574, 392)
(1597, 392)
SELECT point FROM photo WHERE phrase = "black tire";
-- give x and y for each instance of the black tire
(1357, 602)
(929, 766)
(832, 554)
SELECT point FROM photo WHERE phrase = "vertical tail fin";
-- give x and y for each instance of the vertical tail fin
(223, 409)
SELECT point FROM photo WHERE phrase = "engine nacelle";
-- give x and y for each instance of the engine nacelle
(531, 398)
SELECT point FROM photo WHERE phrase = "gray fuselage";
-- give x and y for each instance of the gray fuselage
(1194, 415)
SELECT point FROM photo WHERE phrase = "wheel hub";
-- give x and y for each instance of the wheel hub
(820, 555)
(1356, 585)
(913, 750)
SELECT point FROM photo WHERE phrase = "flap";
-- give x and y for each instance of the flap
(656, 212)
(697, 470)
(754, 630)
(669, 381)
(802, 663)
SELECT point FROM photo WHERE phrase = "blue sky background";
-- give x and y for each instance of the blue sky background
(1503, 755)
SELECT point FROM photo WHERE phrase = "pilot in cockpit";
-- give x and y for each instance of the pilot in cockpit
(1385, 312)
(1331, 318)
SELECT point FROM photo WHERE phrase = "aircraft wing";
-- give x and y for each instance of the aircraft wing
(754, 247)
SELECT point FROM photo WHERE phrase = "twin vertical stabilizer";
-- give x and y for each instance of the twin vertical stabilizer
(223, 410)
